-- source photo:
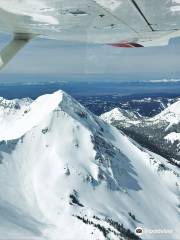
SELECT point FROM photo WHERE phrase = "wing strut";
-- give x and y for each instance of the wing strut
(17, 43)
(142, 14)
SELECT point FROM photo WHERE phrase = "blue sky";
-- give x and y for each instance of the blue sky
(48, 60)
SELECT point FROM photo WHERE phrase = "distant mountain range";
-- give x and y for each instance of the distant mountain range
(67, 174)
(160, 134)
(145, 106)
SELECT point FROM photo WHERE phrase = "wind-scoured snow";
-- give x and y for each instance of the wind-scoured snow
(66, 174)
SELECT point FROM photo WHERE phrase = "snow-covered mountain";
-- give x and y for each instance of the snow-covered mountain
(118, 114)
(160, 133)
(66, 174)
(11, 110)
(170, 115)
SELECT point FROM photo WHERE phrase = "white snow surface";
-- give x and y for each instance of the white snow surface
(118, 114)
(53, 148)
(171, 114)
(114, 114)
(172, 137)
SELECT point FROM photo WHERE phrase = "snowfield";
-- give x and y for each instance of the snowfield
(66, 174)
(171, 114)
(118, 114)
(172, 137)
(160, 133)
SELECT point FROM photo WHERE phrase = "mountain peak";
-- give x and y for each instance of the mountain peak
(19, 116)
(118, 114)
(114, 114)
(16, 124)
(62, 166)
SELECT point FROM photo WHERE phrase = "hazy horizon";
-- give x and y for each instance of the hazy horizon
(50, 60)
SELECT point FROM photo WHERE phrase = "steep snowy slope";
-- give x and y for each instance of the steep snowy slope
(171, 114)
(170, 118)
(160, 133)
(66, 174)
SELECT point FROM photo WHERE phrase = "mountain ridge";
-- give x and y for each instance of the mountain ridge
(158, 133)
(68, 169)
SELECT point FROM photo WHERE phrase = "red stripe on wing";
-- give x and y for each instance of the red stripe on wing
(126, 45)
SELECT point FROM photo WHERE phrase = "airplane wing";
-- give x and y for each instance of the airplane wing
(121, 23)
